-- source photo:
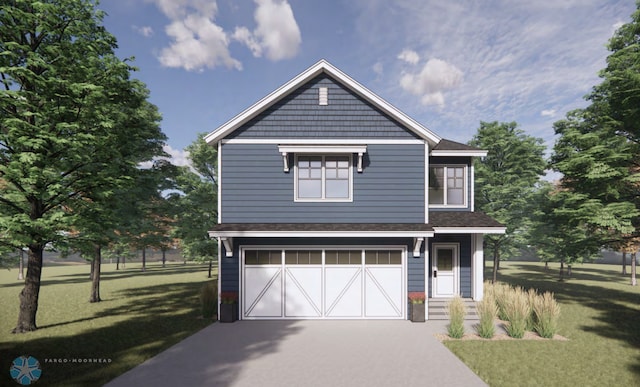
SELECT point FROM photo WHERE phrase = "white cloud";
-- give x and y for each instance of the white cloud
(616, 26)
(176, 157)
(145, 31)
(435, 77)
(518, 57)
(277, 34)
(378, 68)
(197, 42)
(409, 56)
(548, 113)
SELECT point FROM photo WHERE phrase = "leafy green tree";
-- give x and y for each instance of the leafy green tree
(505, 183)
(598, 151)
(198, 203)
(73, 125)
(559, 230)
(149, 212)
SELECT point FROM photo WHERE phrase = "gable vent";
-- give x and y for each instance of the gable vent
(323, 96)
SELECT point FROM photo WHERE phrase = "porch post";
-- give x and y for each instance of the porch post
(477, 266)
(427, 270)
(219, 275)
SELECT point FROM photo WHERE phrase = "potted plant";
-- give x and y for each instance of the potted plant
(228, 306)
(417, 306)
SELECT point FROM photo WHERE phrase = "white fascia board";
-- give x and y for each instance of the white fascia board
(322, 149)
(469, 230)
(468, 153)
(322, 234)
(320, 67)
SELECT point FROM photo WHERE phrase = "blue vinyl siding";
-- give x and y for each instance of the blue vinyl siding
(255, 189)
(300, 116)
(465, 260)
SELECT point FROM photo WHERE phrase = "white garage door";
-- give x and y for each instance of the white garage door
(316, 284)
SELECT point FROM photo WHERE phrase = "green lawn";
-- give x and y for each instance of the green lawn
(600, 317)
(141, 315)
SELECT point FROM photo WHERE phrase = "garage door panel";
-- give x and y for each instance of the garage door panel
(320, 284)
(383, 288)
(303, 292)
(343, 292)
(263, 292)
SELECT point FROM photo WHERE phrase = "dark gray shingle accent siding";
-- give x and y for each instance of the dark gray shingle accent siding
(299, 115)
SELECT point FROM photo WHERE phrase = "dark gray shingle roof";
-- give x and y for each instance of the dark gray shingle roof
(436, 219)
(452, 145)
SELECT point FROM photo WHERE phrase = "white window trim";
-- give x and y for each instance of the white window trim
(465, 188)
(323, 199)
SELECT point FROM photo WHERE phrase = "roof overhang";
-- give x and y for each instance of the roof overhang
(469, 230)
(321, 230)
(321, 67)
(321, 234)
(465, 153)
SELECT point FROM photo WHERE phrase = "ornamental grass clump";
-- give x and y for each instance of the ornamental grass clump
(547, 312)
(487, 312)
(501, 294)
(517, 311)
(456, 311)
(532, 295)
(209, 299)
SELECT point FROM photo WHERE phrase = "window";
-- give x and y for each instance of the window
(383, 257)
(323, 178)
(343, 257)
(447, 185)
(263, 257)
(303, 257)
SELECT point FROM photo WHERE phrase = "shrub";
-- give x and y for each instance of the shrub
(417, 297)
(547, 312)
(517, 312)
(209, 299)
(487, 312)
(456, 311)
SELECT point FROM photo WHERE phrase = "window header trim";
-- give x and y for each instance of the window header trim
(360, 150)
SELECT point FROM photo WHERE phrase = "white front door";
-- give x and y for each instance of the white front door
(445, 269)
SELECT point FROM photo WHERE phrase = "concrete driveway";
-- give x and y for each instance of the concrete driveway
(306, 353)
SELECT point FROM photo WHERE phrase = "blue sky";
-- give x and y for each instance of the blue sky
(447, 64)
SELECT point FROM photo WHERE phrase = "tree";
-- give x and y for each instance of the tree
(197, 202)
(505, 182)
(559, 231)
(598, 151)
(72, 122)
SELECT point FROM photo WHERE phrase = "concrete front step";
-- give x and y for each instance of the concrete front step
(438, 309)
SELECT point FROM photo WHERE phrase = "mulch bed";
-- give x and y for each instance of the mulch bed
(500, 336)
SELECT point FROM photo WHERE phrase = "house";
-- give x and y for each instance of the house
(335, 204)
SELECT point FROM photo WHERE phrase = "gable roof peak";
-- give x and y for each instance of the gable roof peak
(322, 66)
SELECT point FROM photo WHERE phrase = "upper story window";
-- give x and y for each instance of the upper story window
(323, 178)
(448, 185)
